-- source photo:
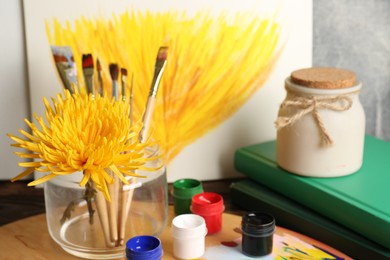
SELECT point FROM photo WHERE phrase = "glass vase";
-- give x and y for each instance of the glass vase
(141, 209)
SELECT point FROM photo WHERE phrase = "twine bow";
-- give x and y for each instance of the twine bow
(306, 105)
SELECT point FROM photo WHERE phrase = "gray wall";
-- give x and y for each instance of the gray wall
(355, 35)
(14, 96)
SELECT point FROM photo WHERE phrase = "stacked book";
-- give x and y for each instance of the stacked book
(350, 213)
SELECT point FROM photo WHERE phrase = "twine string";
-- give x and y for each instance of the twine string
(306, 105)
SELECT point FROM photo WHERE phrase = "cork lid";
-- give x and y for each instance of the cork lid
(324, 78)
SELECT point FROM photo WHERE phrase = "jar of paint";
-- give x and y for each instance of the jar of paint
(182, 193)
(210, 206)
(257, 233)
(188, 232)
(144, 248)
(321, 123)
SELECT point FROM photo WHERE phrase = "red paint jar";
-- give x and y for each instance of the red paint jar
(210, 206)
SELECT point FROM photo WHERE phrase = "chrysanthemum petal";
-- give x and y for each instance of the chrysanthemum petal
(85, 178)
(102, 186)
(23, 174)
(42, 179)
(29, 164)
(109, 179)
(27, 155)
(118, 173)
(29, 136)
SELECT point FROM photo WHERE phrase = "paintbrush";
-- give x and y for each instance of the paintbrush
(103, 215)
(114, 73)
(114, 187)
(127, 190)
(126, 199)
(88, 72)
(112, 208)
(159, 67)
(101, 204)
(100, 78)
(123, 82)
(66, 66)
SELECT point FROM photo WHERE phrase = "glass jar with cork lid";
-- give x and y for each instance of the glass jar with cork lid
(321, 123)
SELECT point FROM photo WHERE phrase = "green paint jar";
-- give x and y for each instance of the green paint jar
(183, 191)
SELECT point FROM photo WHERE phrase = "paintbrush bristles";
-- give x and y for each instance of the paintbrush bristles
(87, 61)
(63, 57)
(161, 61)
(123, 81)
(123, 72)
(88, 72)
(162, 53)
(100, 78)
(114, 73)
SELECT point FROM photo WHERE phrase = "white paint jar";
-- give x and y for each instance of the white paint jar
(321, 124)
(188, 232)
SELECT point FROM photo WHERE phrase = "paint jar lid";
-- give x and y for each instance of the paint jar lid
(258, 224)
(187, 226)
(207, 203)
(143, 248)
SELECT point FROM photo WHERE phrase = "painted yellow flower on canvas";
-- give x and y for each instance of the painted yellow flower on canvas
(83, 133)
(216, 63)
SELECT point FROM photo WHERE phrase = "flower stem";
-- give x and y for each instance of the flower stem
(68, 211)
(88, 197)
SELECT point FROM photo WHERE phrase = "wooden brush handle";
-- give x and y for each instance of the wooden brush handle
(101, 207)
(112, 207)
(127, 196)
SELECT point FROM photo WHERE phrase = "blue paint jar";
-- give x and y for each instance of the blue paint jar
(144, 248)
(257, 233)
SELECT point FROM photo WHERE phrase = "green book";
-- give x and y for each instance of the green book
(252, 196)
(360, 201)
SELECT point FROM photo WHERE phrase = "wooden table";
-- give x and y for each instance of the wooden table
(17, 201)
(29, 239)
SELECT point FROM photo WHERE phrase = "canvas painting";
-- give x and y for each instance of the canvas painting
(224, 78)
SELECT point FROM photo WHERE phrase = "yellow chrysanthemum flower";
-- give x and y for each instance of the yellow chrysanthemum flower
(83, 133)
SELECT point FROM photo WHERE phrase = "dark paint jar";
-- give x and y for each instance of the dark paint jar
(257, 233)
